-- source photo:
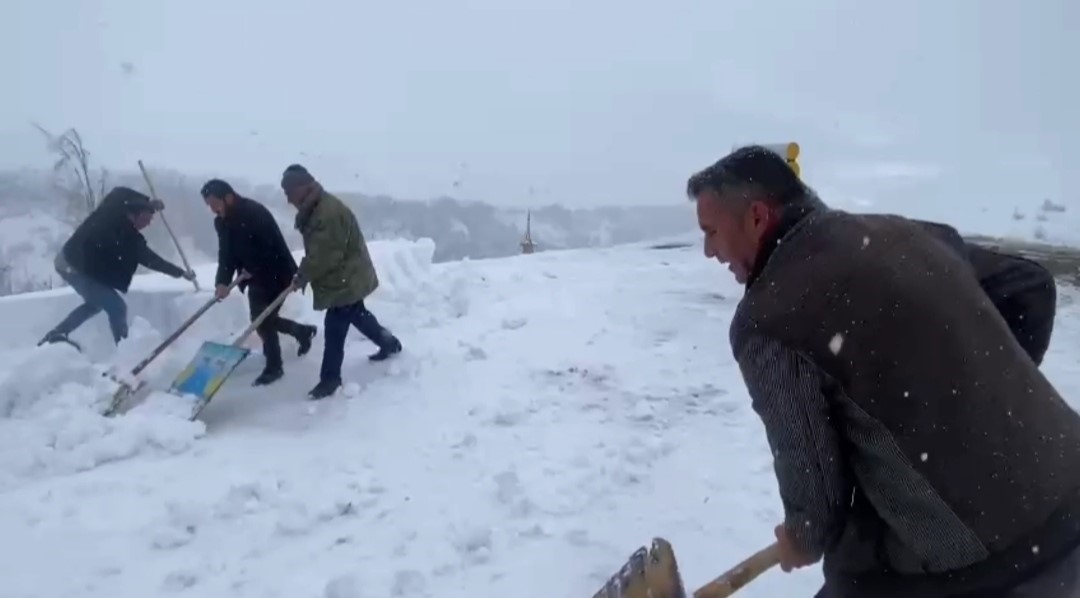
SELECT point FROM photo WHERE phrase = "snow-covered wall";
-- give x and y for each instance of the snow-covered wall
(166, 302)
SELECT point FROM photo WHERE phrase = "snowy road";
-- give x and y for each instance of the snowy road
(550, 414)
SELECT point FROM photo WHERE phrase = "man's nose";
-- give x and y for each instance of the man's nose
(708, 251)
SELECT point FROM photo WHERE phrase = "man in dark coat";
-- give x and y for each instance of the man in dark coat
(250, 241)
(100, 258)
(917, 446)
(339, 269)
(1022, 290)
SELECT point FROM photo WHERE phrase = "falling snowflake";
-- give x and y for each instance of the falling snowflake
(836, 342)
(924, 457)
(865, 241)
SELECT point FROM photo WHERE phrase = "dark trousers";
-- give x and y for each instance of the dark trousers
(259, 297)
(1059, 579)
(336, 328)
(96, 297)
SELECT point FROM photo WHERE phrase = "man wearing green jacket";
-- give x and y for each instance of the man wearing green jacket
(338, 267)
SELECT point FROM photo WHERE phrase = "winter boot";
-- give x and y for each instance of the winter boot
(389, 348)
(269, 375)
(323, 389)
(58, 337)
(307, 334)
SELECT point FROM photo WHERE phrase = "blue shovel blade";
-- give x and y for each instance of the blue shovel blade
(208, 370)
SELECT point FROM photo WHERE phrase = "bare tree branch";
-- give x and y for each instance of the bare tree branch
(73, 160)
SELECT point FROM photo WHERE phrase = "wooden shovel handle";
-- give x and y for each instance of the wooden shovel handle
(265, 314)
(183, 328)
(179, 249)
(741, 574)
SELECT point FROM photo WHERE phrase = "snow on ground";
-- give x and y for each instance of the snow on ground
(26, 262)
(550, 414)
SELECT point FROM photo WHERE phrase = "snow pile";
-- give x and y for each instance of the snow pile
(408, 284)
(401, 267)
(404, 268)
(51, 399)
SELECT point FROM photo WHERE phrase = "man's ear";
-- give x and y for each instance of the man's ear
(761, 214)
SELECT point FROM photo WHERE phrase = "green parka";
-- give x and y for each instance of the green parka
(336, 261)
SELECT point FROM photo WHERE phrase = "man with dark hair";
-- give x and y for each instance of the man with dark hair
(917, 446)
(101, 257)
(339, 268)
(250, 242)
(1021, 289)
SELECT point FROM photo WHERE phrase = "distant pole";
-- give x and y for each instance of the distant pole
(527, 245)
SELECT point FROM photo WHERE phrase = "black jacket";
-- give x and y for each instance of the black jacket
(1022, 290)
(249, 239)
(108, 248)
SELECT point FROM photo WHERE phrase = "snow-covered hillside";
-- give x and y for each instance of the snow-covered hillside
(35, 220)
(550, 414)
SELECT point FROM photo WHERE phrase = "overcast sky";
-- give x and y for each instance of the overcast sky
(921, 106)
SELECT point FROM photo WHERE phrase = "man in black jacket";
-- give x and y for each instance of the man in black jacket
(249, 240)
(101, 257)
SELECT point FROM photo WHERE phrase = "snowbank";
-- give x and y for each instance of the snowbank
(166, 302)
(50, 403)
(25, 255)
(51, 397)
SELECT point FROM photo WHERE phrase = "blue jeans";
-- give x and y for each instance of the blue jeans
(96, 297)
(336, 328)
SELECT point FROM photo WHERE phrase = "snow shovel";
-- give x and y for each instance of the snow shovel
(215, 362)
(126, 390)
(654, 573)
(180, 250)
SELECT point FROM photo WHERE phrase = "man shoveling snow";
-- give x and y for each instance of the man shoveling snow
(101, 257)
(918, 448)
(338, 267)
(250, 241)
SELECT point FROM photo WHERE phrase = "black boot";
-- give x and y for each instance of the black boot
(323, 389)
(304, 337)
(272, 371)
(269, 375)
(58, 337)
(391, 347)
(52, 337)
